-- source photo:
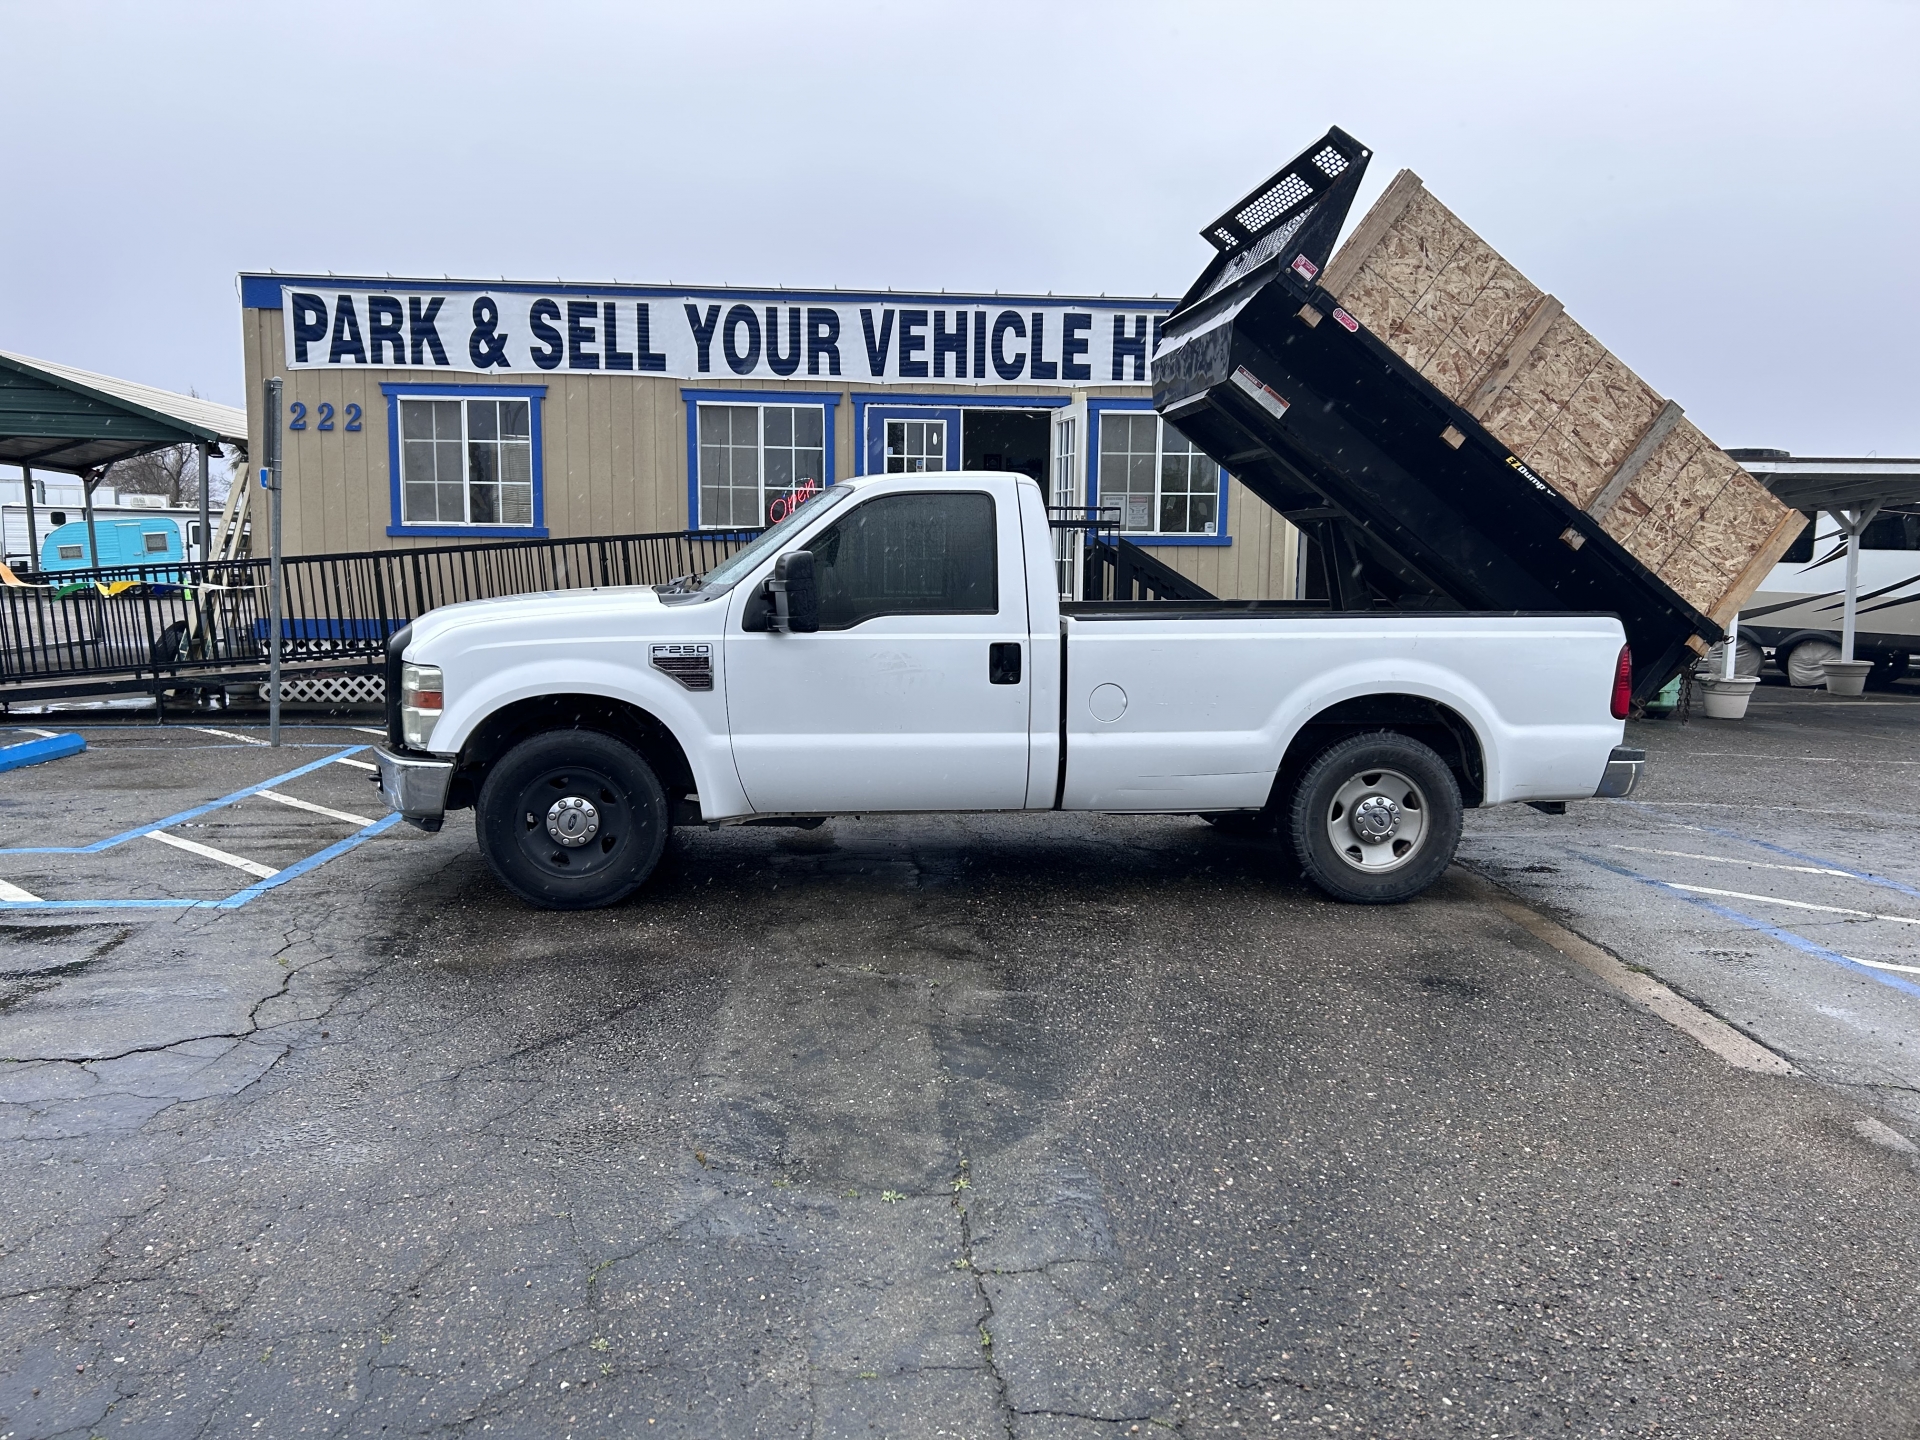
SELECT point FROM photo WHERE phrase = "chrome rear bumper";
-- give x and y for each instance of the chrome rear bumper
(1622, 773)
(415, 785)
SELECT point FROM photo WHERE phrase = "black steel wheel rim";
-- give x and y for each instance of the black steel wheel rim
(613, 819)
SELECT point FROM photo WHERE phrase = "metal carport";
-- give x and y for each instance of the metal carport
(1852, 490)
(57, 417)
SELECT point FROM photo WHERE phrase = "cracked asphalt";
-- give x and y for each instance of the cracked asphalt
(1032, 1126)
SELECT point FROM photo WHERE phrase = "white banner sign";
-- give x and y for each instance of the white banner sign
(876, 340)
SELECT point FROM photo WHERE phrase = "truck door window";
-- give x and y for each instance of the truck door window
(932, 554)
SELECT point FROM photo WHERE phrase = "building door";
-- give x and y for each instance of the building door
(1066, 488)
(1001, 437)
(914, 693)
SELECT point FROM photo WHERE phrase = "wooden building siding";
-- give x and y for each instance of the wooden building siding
(614, 460)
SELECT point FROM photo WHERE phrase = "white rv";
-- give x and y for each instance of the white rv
(1796, 613)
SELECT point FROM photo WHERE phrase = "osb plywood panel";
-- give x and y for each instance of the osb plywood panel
(1734, 527)
(1375, 303)
(1449, 305)
(1641, 503)
(1498, 312)
(1609, 412)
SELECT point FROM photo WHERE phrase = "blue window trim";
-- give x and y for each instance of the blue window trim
(533, 394)
(873, 447)
(865, 400)
(1151, 540)
(691, 400)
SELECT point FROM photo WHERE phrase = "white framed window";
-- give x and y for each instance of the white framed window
(466, 461)
(916, 446)
(1156, 480)
(756, 462)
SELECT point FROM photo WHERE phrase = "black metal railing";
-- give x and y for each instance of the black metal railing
(1097, 563)
(176, 622)
(165, 626)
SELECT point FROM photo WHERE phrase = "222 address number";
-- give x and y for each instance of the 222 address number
(323, 417)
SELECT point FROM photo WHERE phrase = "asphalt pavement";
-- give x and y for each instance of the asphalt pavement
(1769, 868)
(1034, 1126)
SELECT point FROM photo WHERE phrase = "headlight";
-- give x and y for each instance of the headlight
(421, 698)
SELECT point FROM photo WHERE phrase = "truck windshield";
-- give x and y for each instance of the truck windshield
(728, 572)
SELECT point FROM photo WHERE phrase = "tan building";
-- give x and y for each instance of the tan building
(423, 412)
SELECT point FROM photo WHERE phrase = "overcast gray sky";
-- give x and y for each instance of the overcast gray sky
(1724, 193)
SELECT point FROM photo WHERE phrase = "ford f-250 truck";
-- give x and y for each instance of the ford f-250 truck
(897, 644)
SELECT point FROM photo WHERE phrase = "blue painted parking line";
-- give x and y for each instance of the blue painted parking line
(312, 862)
(1784, 936)
(41, 748)
(183, 816)
(231, 902)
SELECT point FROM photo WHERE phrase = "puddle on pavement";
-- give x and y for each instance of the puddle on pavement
(34, 957)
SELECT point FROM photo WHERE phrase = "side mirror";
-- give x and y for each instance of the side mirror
(796, 604)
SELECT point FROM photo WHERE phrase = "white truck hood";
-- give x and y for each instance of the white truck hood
(561, 613)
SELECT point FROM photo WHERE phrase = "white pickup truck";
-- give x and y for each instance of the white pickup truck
(898, 644)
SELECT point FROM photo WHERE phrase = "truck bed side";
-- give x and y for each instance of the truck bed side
(1191, 712)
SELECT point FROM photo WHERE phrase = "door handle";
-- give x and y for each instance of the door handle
(1003, 662)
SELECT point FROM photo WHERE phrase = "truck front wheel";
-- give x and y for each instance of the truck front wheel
(572, 820)
(1376, 818)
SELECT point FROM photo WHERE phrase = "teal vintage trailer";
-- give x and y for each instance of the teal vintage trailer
(124, 540)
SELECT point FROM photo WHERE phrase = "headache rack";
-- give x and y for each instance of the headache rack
(1299, 210)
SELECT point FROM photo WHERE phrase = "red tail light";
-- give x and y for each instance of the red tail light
(1622, 684)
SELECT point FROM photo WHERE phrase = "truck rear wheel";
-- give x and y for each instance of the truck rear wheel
(572, 820)
(1376, 818)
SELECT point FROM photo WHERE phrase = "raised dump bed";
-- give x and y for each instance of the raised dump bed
(1444, 431)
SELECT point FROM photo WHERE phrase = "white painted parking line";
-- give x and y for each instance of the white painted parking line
(1885, 965)
(1751, 805)
(30, 730)
(356, 764)
(252, 867)
(368, 730)
(299, 804)
(1796, 759)
(1730, 860)
(1792, 904)
(229, 735)
(14, 892)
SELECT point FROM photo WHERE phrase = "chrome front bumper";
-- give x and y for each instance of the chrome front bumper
(415, 785)
(1622, 773)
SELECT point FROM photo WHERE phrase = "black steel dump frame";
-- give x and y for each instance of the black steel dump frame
(1411, 502)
